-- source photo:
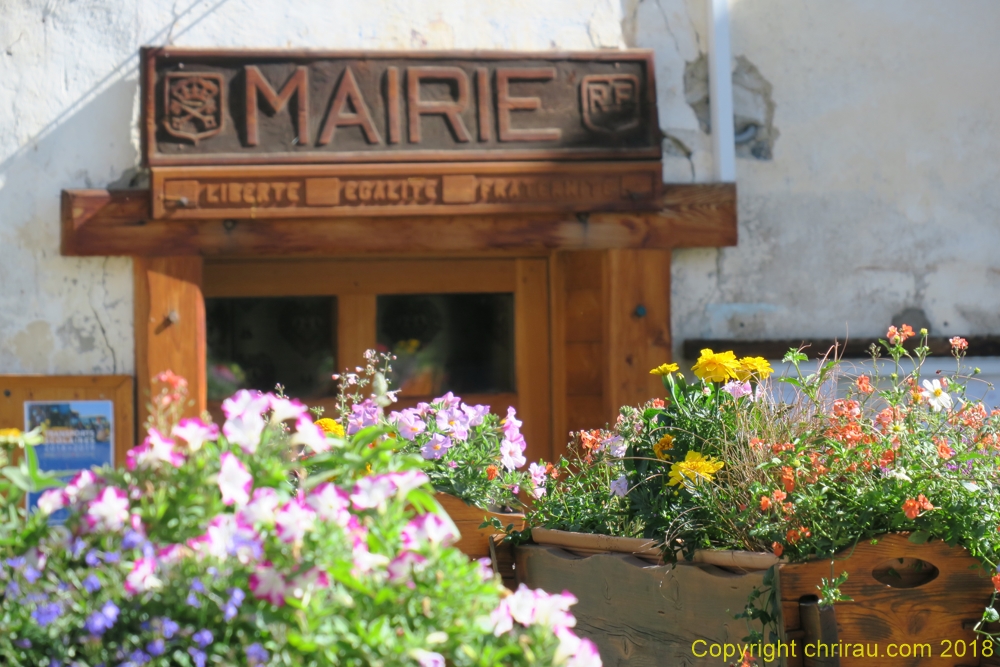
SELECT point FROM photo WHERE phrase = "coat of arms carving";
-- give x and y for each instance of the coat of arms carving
(610, 102)
(193, 105)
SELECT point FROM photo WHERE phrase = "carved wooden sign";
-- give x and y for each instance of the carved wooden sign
(302, 191)
(214, 107)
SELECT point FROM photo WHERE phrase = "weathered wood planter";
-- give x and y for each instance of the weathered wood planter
(478, 542)
(921, 599)
(640, 614)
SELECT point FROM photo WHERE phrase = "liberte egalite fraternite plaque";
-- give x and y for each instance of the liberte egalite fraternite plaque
(413, 110)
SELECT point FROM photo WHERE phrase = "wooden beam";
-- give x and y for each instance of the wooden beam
(102, 222)
(169, 328)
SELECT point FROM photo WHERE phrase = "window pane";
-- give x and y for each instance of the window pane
(256, 343)
(449, 342)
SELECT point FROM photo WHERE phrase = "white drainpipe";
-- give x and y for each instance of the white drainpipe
(720, 91)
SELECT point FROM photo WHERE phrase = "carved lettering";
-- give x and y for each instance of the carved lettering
(506, 103)
(451, 111)
(293, 192)
(483, 102)
(297, 85)
(392, 103)
(348, 93)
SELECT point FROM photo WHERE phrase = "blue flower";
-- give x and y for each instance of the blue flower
(47, 613)
(257, 655)
(156, 647)
(236, 597)
(197, 586)
(111, 557)
(12, 591)
(169, 628)
(92, 559)
(31, 575)
(197, 656)
(212, 571)
(22, 643)
(100, 621)
(132, 539)
(137, 657)
(16, 563)
(92, 583)
(193, 601)
(203, 637)
(77, 548)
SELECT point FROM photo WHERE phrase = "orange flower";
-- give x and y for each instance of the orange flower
(788, 478)
(865, 385)
(778, 495)
(888, 456)
(657, 403)
(845, 408)
(765, 503)
(943, 449)
(959, 343)
(911, 508)
(491, 472)
(897, 336)
(792, 536)
(996, 582)
(551, 471)
(777, 549)
(924, 503)
(788, 508)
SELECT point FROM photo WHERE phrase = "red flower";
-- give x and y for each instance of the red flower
(778, 495)
(491, 472)
(865, 385)
(792, 536)
(911, 508)
(788, 478)
(996, 582)
(657, 403)
(765, 503)
(924, 503)
(959, 343)
(778, 550)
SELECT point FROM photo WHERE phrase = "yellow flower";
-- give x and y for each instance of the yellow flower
(716, 366)
(664, 369)
(694, 467)
(758, 367)
(331, 427)
(661, 447)
(10, 436)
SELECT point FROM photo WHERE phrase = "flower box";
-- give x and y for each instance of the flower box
(475, 541)
(903, 593)
(638, 613)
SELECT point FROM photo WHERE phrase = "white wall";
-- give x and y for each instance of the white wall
(881, 194)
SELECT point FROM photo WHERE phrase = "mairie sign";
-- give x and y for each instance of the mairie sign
(251, 107)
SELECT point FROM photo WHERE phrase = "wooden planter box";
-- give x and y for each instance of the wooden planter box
(919, 609)
(640, 614)
(478, 542)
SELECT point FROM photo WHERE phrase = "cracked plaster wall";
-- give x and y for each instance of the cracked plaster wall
(880, 194)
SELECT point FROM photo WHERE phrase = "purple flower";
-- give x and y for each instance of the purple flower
(138, 657)
(197, 656)
(31, 575)
(193, 601)
(77, 548)
(100, 621)
(203, 638)
(23, 643)
(436, 447)
(47, 613)
(156, 647)
(91, 583)
(132, 539)
(197, 586)
(737, 389)
(619, 487)
(454, 422)
(236, 597)
(362, 414)
(111, 557)
(169, 628)
(408, 423)
(256, 655)
(16, 563)
(92, 559)
(12, 591)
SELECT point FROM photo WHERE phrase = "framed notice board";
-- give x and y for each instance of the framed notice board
(91, 418)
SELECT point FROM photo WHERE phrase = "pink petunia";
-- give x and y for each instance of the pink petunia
(453, 422)
(195, 432)
(143, 577)
(402, 567)
(108, 510)
(406, 481)
(331, 503)
(153, 451)
(310, 436)
(511, 454)
(475, 414)
(261, 508)
(449, 400)
(266, 583)
(436, 447)
(234, 480)
(429, 529)
(293, 520)
(82, 488)
(371, 492)
(312, 580)
(52, 500)
(363, 414)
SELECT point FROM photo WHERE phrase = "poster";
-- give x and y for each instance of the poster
(78, 436)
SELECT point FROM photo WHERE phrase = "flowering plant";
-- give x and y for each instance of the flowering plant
(17, 526)
(265, 542)
(469, 452)
(726, 463)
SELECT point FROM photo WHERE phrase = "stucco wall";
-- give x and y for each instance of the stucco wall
(879, 194)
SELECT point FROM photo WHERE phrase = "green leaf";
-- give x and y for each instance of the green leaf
(19, 477)
(920, 536)
(971, 486)
(991, 615)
